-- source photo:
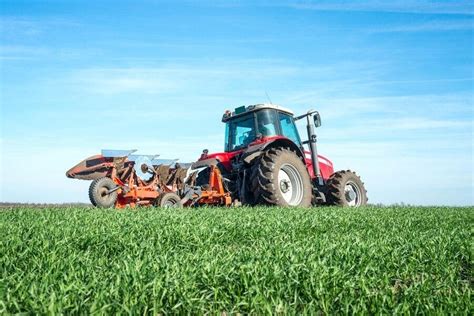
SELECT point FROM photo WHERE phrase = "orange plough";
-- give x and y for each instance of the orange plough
(212, 193)
(120, 179)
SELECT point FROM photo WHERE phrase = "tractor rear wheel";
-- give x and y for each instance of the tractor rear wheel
(99, 192)
(345, 188)
(279, 177)
(169, 200)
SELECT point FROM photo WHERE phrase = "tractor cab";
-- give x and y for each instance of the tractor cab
(272, 124)
(257, 122)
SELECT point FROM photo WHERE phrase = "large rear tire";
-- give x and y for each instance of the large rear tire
(345, 188)
(279, 177)
(98, 193)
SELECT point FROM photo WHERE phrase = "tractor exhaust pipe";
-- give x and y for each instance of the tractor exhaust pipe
(313, 119)
(312, 138)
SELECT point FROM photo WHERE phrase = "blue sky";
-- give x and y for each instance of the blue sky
(393, 82)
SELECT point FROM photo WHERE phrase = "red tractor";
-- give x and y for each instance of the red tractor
(264, 162)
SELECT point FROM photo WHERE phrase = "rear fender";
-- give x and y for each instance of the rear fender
(205, 163)
(255, 151)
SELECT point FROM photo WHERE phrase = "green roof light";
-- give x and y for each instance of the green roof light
(240, 110)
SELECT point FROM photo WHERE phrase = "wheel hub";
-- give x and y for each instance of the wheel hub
(170, 204)
(104, 192)
(285, 185)
(291, 184)
(352, 194)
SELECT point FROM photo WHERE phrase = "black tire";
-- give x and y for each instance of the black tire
(98, 193)
(169, 200)
(268, 189)
(337, 193)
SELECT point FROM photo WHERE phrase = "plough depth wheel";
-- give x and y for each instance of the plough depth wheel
(100, 192)
(169, 200)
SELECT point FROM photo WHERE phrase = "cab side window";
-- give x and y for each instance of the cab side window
(267, 123)
(288, 128)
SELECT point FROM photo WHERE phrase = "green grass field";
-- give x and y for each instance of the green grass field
(247, 260)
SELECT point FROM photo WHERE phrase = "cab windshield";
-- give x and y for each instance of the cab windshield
(239, 133)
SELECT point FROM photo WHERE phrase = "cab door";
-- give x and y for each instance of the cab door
(288, 128)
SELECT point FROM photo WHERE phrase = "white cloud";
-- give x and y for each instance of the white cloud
(406, 6)
(24, 26)
(16, 50)
(168, 78)
(414, 123)
(19, 26)
(218, 77)
(464, 7)
(430, 26)
(334, 105)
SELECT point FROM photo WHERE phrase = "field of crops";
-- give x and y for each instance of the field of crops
(261, 260)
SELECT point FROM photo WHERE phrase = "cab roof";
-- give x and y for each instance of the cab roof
(240, 111)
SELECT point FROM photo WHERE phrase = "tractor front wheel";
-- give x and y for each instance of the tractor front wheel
(345, 188)
(279, 177)
(101, 194)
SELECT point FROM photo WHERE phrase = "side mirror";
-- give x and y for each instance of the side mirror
(317, 119)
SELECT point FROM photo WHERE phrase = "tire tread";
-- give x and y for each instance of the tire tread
(262, 177)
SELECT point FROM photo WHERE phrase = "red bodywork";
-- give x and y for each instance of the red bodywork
(224, 158)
